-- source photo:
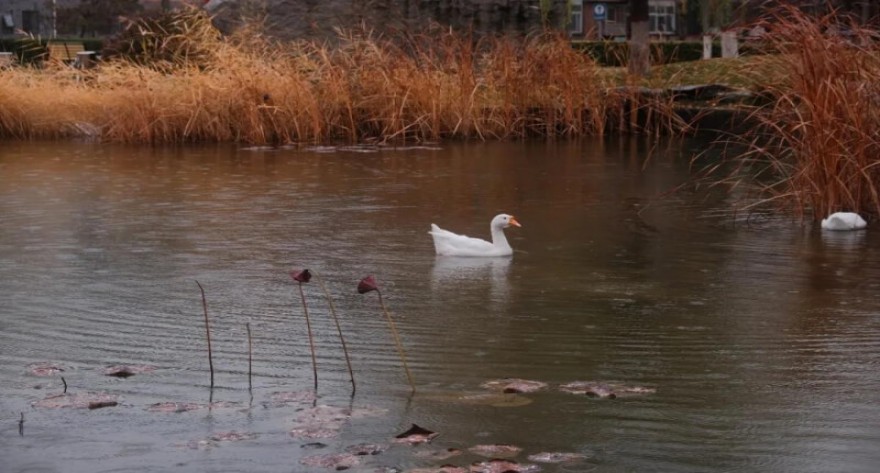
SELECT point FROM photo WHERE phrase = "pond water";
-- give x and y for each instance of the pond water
(762, 340)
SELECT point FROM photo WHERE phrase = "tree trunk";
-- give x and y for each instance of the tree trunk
(639, 47)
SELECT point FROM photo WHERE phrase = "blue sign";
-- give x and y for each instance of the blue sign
(599, 11)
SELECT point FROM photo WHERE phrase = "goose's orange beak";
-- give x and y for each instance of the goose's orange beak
(513, 221)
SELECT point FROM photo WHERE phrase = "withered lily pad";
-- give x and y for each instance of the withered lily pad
(77, 400)
(498, 465)
(492, 451)
(514, 385)
(557, 457)
(364, 449)
(45, 369)
(416, 435)
(124, 371)
(438, 454)
(604, 390)
(336, 461)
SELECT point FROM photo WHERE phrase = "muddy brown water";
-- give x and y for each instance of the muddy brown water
(761, 340)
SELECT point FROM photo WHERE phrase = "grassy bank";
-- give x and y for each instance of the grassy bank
(194, 85)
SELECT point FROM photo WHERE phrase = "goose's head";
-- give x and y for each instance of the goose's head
(504, 221)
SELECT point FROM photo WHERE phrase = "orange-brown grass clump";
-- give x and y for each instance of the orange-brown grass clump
(816, 146)
(177, 80)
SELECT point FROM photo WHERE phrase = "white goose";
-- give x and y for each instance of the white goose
(844, 221)
(447, 243)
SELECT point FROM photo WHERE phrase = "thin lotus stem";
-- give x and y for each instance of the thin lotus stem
(250, 356)
(207, 334)
(21, 425)
(311, 340)
(339, 330)
(65, 384)
(396, 341)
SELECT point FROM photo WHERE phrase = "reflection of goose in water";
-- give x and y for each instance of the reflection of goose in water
(843, 221)
(472, 272)
(447, 243)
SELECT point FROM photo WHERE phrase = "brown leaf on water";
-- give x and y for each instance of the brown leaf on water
(492, 451)
(514, 385)
(416, 435)
(101, 404)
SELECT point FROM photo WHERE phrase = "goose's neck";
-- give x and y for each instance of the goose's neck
(498, 238)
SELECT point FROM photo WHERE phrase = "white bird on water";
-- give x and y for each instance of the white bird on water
(447, 243)
(843, 221)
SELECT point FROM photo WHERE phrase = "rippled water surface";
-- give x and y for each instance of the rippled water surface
(762, 340)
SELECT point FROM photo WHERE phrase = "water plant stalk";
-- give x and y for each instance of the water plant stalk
(207, 334)
(309, 329)
(250, 356)
(397, 342)
(338, 330)
(65, 384)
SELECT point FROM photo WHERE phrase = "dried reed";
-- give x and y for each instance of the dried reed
(816, 145)
(177, 80)
(207, 335)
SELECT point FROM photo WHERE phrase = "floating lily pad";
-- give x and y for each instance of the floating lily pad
(604, 390)
(514, 385)
(493, 451)
(557, 457)
(45, 369)
(438, 455)
(416, 435)
(336, 461)
(124, 371)
(364, 449)
(78, 400)
(498, 465)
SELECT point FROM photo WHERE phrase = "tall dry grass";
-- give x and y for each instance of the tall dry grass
(177, 80)
(816, 146)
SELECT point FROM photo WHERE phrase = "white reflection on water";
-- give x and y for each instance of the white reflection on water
(451, 272)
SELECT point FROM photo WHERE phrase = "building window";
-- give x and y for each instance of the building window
(577, 17)
(30, 21)
(7, 25)
(662, 16)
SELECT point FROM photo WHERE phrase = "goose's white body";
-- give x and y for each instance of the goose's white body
(844, 221)
(447, 243)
